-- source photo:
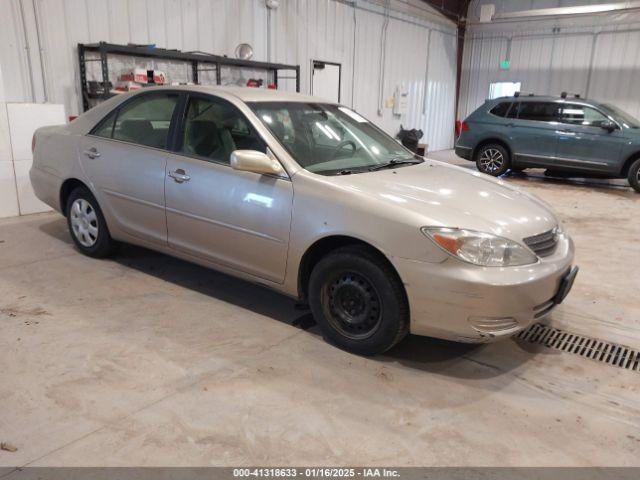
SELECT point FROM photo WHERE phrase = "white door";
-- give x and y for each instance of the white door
(325, 81)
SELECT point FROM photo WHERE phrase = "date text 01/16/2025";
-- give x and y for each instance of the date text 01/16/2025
(316, 472)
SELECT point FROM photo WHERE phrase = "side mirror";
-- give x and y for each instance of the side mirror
(256, 162)
(609, 126)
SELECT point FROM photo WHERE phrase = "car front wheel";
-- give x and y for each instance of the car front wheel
(358, 301)
(634, 175)
(493, 159)
(87, 225)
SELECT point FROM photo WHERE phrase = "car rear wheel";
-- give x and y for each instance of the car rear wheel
(358, 301)
(634, 175)
(493, 159)
(87, 225)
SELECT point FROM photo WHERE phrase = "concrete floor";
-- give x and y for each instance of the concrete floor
(147, 360)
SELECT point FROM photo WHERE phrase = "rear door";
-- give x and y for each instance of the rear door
(125, 158)
(237, 219)
(582, 142)
(533, 132)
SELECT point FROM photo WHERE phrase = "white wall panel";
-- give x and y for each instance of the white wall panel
(300, 31)
(593, 55)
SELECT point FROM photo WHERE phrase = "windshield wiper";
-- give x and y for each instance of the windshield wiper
(394, 162)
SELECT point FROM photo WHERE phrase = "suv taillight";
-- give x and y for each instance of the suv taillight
(464, 127)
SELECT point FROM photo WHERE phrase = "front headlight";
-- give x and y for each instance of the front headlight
(480, 248)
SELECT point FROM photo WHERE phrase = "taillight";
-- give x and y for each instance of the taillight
(33, 143)
(464, 127)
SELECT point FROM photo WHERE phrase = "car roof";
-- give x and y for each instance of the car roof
(546, 98)
(246, 94)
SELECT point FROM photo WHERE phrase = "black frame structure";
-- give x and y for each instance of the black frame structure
(104, 49)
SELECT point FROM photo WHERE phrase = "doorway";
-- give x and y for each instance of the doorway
(325, 80)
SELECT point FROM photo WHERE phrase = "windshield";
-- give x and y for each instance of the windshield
(621, 116)
(331, 139)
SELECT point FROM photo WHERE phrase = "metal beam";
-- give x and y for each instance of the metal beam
(562, 11)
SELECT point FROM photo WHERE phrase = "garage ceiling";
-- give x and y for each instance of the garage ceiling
(453, 9)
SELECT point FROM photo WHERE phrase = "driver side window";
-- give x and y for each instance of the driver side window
(582, 115)
(213, 128)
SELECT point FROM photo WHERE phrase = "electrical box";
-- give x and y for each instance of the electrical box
(400, 100)
(487, 12)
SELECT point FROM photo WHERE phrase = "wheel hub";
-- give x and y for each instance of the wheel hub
(491, 160)
(353, 305)
(84, 222)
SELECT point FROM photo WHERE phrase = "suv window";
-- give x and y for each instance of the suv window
(146, 120)
(582, 115)
(539, 111)
(213, 128)
(501, 109)
(513, 112)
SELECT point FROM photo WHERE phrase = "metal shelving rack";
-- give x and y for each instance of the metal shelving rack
(104, 49)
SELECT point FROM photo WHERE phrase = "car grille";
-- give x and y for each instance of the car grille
(543, 244)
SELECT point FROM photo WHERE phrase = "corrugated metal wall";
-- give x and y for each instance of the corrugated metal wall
(596, 56)
(297, 32)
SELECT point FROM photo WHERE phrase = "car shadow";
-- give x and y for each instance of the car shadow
(415, 352)
(616, 186)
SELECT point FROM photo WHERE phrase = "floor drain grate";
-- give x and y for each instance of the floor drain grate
(592, 348)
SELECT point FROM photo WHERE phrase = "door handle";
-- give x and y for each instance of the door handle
(179, 175)
(509, 124)
(92, 152)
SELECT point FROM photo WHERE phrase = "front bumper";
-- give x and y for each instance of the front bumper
(466, 303)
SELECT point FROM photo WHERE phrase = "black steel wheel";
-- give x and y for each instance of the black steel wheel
(352, 305)
(358, 300)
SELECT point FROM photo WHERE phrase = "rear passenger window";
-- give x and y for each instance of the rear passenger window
(105, 129)
(146, 120)
(513, 112)
(539, 111)
(501, 109)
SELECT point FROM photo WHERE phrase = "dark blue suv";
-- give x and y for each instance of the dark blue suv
(570, 136)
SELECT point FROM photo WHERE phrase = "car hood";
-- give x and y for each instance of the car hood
(446, 195)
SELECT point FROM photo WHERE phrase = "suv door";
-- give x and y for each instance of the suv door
(583, 143)
(533, 136)
(235, 218)
(125, 156)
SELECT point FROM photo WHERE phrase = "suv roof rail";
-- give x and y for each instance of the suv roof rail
(564, 95)
(519, 94)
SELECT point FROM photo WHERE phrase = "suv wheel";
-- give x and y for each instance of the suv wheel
(87, 225)
(358, 301)
(493, 159)
(634, 175)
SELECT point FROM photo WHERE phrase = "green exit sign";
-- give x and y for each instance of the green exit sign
(504, 64)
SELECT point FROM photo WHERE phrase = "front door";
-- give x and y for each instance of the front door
(125, 157)
(237, 219)
(533, 132)
(582, 142)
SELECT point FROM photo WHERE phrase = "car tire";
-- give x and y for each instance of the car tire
(493, 159)
(634, 175)
(358, 301)
(87, 225)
